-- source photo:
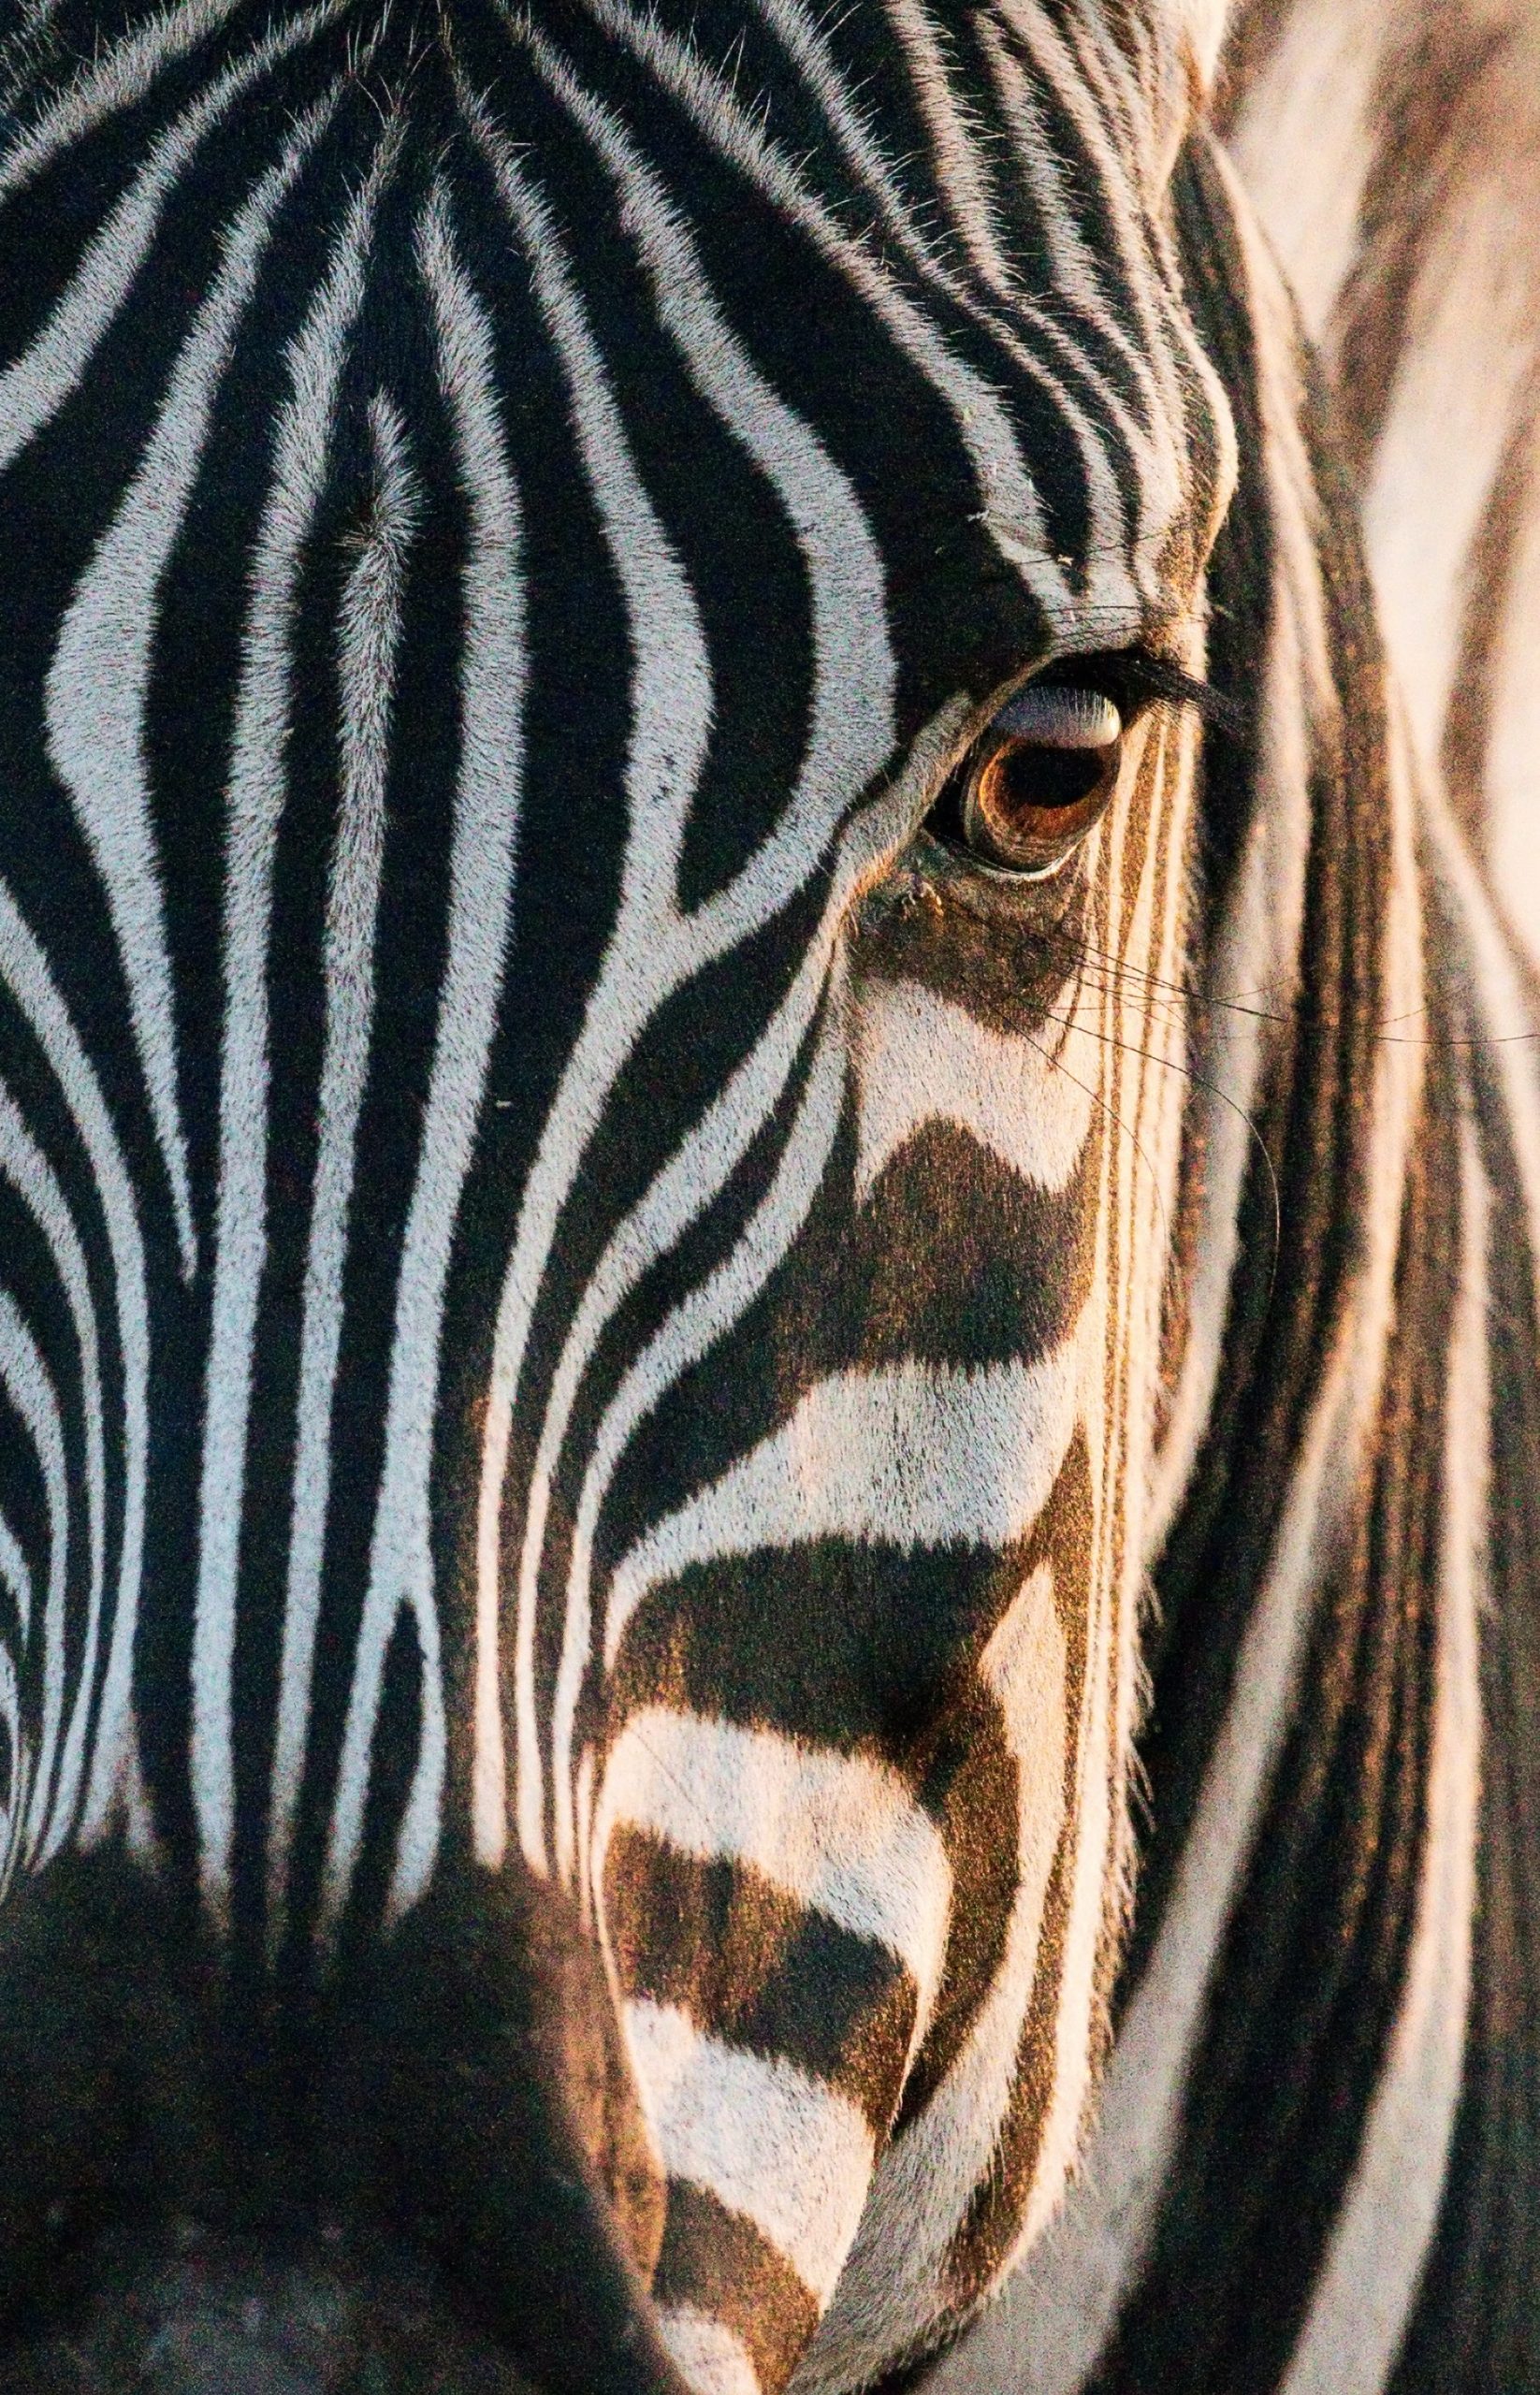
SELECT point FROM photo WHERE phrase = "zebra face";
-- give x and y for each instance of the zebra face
(590, 950)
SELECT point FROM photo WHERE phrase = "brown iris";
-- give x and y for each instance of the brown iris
(1040, 778)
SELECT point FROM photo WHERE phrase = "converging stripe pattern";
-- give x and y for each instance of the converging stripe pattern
(597, 1328)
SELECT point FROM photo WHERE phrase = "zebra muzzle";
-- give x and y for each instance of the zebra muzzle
(216, 2316)
(433, 2188)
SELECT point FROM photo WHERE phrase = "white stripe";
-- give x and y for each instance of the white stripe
(28, 1169)
(113, 81)
(98, 679)
(1362, 2297)
(841, 1834)
(19, 1769)
(370, 632)
(699, 1319)
(16, 1575)
(1501, 1001)
(257, 789)
(921, 1058)
(24, 969)
(42, 378)
(956, 145)
(481, 879)
(29, 1385)
(711, 2358)
(1511, 775)
(757, 2133)
(913, 1455)
(928, 2176)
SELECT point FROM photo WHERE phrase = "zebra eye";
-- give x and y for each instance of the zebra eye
(1038, 779)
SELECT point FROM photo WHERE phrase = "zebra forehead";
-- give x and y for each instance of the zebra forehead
(931, 234)
(941, 234)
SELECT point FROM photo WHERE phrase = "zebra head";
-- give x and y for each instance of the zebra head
(608, 613)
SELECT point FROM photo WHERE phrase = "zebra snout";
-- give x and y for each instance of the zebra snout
(419, 2175)
(212, 2316)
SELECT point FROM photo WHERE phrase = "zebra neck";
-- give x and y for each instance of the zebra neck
(1327, 1968)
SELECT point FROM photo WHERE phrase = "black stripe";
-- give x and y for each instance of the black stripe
(754, 1967)
(1477, 2325)
(720, 2263)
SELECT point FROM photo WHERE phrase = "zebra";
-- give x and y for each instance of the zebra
(770, 1188)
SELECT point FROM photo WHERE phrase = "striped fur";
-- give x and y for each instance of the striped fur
(1295, 2145)
(1411, 250)
(598, 1331)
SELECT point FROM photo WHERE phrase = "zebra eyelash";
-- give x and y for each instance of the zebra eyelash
(1082, 703)
(1134, 678)
(1151, 677)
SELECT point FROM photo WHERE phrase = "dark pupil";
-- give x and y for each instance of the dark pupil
(1051, 778)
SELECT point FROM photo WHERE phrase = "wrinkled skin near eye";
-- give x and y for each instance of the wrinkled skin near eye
(1036, 782)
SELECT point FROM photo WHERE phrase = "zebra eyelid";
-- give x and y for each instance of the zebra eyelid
(1145, 676)
(1058, 716)
(1120, 683)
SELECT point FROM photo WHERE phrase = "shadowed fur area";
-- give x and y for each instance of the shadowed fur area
(392, 2195)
